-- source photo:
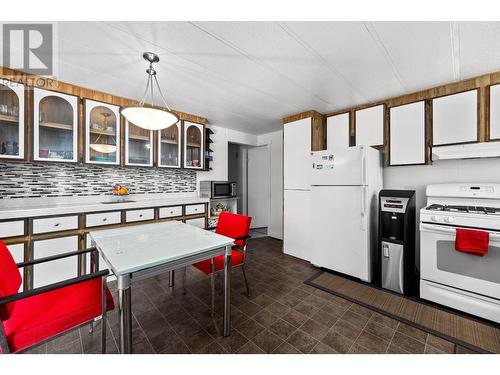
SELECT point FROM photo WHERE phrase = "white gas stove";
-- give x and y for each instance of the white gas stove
(466, 282)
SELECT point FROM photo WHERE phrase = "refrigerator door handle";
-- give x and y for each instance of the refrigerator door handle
(363, 170)
(363, 207)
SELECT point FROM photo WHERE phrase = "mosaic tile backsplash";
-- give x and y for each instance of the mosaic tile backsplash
(26, 180)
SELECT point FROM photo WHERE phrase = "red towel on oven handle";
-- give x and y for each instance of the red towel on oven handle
(473, 242)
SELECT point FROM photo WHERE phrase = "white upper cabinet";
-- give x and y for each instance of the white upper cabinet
(495, 112)
(407, 134)
(297, 154)
(102, 133)
(454, 118)
(194, 148)
(55, 119)
(370, 126)
(337, 132)
(11, 120)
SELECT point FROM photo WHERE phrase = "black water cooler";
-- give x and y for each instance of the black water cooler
(395, 261)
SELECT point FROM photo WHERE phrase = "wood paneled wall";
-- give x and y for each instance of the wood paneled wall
(318, 127)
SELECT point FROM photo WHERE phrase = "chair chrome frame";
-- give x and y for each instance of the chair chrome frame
(58, 285)
(213, 272)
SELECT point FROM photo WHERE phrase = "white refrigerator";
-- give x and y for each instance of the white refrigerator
(344, 200)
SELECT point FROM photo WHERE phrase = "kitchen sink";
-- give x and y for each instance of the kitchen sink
(123, 201)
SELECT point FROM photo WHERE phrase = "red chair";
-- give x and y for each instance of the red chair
(37, 315)
(236, 227)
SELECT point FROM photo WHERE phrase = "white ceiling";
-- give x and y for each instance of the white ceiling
(249, 75)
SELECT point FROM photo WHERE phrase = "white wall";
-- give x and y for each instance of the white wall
(274, 141)
(219, 164)
(444, 171)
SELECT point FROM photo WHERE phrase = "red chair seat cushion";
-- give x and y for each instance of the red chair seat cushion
(237, 258)
(45, 315)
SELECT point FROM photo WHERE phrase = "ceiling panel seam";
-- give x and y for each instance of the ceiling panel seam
(331, 67)
(257, 61)
(455, 49)
(370, 28)
(206, 70)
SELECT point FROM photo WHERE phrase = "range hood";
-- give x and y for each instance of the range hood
(467, 151)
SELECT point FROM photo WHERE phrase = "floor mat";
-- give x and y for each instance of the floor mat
(459, 329)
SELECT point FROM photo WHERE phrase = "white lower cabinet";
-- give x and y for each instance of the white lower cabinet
(17, 252)
(58, 270)
(296, 224)
(198, 222)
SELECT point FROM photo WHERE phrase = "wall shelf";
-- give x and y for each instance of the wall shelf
(12, 119)
(56, 125)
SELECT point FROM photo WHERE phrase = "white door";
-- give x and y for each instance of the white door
(454, 118)
(258, 190)
(58, 270)
(407, 134)
(370, 126)
(296, 154)
(345, 167)
(296, 224)
(339, 232)
(441, 263)
(337, 132)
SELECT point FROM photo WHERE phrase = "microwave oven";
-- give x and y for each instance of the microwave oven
(217, 189)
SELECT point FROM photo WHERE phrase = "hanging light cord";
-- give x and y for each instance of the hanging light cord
(149, 86)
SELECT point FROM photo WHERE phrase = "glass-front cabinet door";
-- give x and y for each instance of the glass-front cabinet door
(102, 133)
(138, 145)
(55, 119)
(11, 120)
(193, 145)
(169, 146)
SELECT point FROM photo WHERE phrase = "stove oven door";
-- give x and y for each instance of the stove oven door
(441, 263)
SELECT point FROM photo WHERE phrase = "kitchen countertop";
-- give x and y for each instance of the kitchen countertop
(32, 207)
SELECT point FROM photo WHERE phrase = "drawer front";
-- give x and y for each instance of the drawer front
(195, 209)
(11, 228)
(170, 211)
(105, 218)
(55, 224)
(139, 215)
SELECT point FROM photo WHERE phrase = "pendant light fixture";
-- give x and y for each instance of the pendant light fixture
(147, 116)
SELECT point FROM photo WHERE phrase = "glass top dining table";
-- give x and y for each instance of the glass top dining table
(140, 251)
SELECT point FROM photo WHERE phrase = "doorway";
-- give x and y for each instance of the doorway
(250, 168)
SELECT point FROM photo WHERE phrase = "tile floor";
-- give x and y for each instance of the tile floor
(282, 315)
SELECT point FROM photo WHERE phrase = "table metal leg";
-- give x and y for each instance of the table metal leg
(125, 313)
(171, 278)
(227, 291)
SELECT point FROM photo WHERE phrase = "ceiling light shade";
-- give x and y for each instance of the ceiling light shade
(149, 117)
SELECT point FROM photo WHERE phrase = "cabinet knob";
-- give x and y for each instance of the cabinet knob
(57, 224)
(171, 212)
(140, 215)
(104, 219)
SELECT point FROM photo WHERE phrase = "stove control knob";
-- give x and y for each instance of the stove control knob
(448, 219)
(434, 218)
